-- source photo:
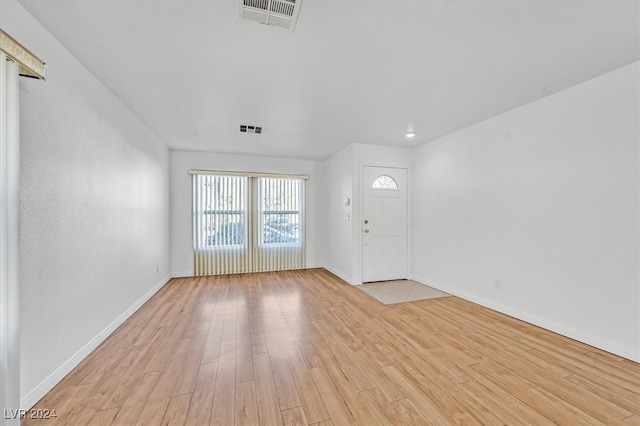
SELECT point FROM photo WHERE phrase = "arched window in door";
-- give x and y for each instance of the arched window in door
(384, 182)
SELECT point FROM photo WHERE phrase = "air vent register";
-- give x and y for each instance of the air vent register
(278, 13)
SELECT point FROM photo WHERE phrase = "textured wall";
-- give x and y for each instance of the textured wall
(339, 169)
(94, 209)
(545, 199)
(342, 171)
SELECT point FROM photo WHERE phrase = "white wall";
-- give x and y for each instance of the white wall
(94, 211)
(343, 175)
(546, 199)
(339, 237)
(181, 203)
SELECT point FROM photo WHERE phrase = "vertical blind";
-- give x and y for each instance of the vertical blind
(247, 223)
(9, 237)
(15, 60)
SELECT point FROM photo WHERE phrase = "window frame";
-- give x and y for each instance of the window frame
(385, 188)
(263, 213)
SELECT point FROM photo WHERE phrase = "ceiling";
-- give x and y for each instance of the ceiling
(352, 71)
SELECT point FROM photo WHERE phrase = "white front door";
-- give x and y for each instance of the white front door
(384, 227)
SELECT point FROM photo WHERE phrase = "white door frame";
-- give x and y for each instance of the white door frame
(357, 222)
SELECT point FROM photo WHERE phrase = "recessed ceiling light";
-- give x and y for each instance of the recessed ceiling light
(411, 134)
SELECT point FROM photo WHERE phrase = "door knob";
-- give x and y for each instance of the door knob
(366, 231)
(366, 221)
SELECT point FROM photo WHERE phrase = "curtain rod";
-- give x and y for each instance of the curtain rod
(246, 174)
(30, 64)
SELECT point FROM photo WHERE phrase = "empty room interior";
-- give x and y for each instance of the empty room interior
(279, 212)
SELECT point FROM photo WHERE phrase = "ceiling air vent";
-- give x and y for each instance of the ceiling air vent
(279, 13)
(244, 128)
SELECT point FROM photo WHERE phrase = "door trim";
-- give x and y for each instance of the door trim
(357, 222)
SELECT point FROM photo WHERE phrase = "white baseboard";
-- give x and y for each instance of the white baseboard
(30, 399)
(314, 266)
(579, 335)
(189, 274)
(339, 274)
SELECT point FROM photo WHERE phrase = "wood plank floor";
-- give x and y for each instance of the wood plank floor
(304, 348)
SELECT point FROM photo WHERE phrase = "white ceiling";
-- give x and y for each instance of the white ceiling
(352, 71)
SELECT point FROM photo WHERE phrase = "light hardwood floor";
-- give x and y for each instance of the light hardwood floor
(303, 347)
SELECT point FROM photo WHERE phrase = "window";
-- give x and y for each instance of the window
(384, 182)
(222, 211)
(247, 223)
(280, 211)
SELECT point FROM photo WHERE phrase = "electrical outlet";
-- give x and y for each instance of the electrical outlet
(498, 283)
